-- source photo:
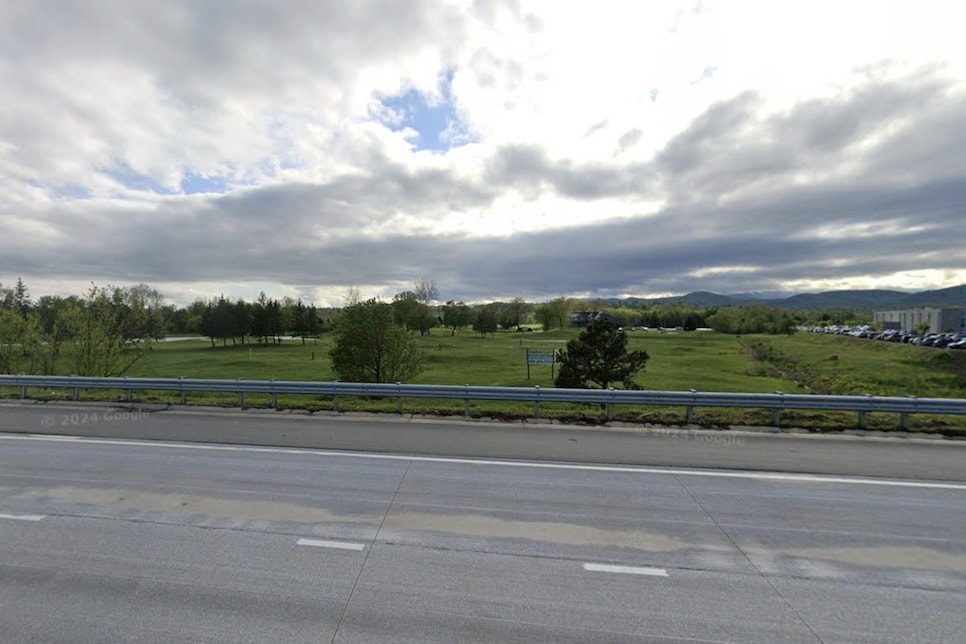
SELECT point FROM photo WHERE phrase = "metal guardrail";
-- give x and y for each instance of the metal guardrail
(863, 405)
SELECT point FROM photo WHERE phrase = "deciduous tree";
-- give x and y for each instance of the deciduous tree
(456, 315)
(555, 314)
(352, 296)
(754, 318)
(413, 313)
(371, 347)
(486, 319)
(514, 313)
(104, 332)
(22, 349)
(426, 292)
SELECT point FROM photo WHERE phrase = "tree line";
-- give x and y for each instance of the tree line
(105, 330)
(100, 333)
(264, 320)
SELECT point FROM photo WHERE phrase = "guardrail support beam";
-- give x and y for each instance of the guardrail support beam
(609, 400)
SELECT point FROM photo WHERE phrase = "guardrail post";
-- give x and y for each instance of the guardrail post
(335, 403)
(904, 417)
(184, 392)
(536, 402)
(466, 403)
(398, 402)
(689, 412)
(241, 396)
(23, 392)
(127, 391)
(864, 416)
(274, 397)
(610, 408)
(76, 394)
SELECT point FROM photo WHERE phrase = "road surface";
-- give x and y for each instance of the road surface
(110, 540)
(927, 458)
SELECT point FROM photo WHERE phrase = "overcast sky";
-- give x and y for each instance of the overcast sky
(503, 149)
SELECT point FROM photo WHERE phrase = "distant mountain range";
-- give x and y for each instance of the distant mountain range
(872, 299)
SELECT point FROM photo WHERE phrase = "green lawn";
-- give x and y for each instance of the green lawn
(679, 361)
(704, 361)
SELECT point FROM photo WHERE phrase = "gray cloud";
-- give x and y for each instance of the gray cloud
(630, 138)
(530, 170)
(652, 254)
(867, 183)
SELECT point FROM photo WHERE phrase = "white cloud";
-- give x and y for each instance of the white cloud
(646, 145)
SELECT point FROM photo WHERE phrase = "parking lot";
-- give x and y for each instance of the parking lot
(956, 341)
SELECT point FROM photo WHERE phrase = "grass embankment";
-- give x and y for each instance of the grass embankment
(702, 361)
(843, 365)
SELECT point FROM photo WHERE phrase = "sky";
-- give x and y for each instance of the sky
(500, 148)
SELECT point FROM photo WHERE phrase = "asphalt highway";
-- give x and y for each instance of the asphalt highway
(930, 458)
(115, 540)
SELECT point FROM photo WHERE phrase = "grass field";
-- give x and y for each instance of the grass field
(843, 365)
(704, 361)
(679, 361)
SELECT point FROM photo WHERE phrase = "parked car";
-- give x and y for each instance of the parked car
(958, 344)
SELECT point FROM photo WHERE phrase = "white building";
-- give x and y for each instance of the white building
(939, 320)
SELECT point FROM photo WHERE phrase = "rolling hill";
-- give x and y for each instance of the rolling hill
(867, 300)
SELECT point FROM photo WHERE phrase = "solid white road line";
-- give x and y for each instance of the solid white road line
(630, 469)
(338, 545)
(626, 570)
(23, 517)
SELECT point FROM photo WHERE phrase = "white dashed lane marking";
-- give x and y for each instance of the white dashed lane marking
(23, 517)
(338, 545)
(626, 570)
